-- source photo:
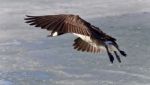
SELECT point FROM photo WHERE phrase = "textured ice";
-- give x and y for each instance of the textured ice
(4, 82)
(28, 57)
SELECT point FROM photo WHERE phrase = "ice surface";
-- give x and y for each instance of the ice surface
(28, 57)
(4, 82)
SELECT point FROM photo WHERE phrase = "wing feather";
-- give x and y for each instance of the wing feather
(60, 23)
(82, 45)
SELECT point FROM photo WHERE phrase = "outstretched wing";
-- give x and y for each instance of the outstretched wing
(82, 45)
(60, 23)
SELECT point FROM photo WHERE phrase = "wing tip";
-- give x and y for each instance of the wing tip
(28, 17)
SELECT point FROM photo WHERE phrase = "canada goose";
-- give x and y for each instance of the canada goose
(89, 38)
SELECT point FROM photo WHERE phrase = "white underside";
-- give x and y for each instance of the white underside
(88, 39)
(111, 47)
(83, 37)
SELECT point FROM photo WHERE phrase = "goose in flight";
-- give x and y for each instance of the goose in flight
(89, 38)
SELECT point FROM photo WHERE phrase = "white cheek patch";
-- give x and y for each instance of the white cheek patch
(55, 34)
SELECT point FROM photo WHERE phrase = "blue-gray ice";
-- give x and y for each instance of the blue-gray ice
(28, 57)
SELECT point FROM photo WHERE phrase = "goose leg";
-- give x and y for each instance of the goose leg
(121, 52)
(118, 57)
(110, 55)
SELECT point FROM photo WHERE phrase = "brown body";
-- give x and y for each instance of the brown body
(90, 38)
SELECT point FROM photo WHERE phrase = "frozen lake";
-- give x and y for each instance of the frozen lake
(28, 57)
